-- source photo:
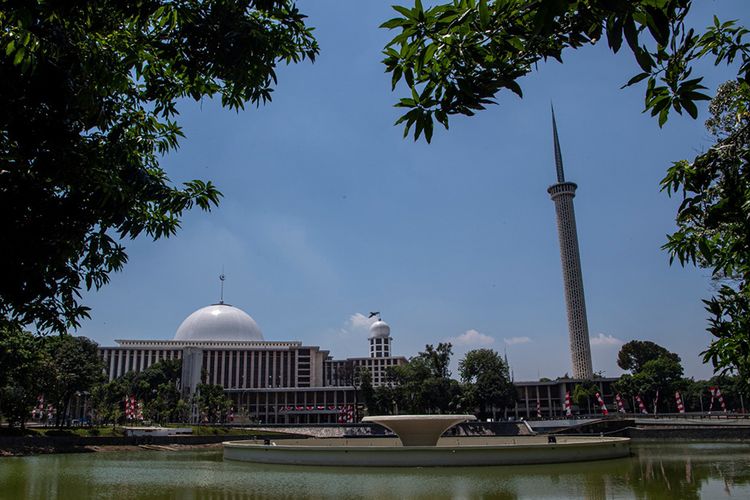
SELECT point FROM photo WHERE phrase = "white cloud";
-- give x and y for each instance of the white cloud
(471, 338)
(517, 340)
(605, 340)
(357, 324)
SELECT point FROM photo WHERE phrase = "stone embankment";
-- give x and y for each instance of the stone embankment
(30, 445)
(664, 429)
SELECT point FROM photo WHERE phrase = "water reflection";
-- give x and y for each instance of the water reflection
(654, 471)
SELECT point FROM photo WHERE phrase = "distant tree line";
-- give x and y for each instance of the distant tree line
(46, 374)
(59, 368)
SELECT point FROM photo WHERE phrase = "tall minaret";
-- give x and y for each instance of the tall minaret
(562, 194)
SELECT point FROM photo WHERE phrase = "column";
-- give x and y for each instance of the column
(216, 366)
(245, 371)
(111, 364)
(223, 364)
(251, 370)
(268, 369)
(231, 369)
(273, 380)
(236, 354)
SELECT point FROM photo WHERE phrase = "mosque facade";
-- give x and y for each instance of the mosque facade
(283, 382)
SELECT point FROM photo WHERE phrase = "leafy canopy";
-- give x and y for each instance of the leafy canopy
(423, 385)
(74, 367)
(635, 354)
(454, 57)
(23, 364)
(713, 225)
(486, 381)
(89, 94)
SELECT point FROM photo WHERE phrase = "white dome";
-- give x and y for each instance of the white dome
(219, 322)
(379, 329)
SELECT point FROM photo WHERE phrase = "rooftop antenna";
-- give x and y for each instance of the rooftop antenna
(222, 278)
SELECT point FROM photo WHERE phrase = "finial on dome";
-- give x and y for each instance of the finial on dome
(222, 278)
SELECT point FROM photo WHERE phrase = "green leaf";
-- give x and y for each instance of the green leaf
(484, 16)
(20, 53)
(644, 59)
(393, 23)
(663, 116)
(637, 78)
(407, 13)
(691, 108)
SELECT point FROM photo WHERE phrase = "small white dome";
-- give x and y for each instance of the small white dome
(380, 329)
(219, 322)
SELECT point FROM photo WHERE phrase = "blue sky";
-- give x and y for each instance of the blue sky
(329, 214)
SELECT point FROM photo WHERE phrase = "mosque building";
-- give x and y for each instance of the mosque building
(268, 381)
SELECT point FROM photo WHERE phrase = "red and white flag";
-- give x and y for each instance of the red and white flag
(538, 409)
(641, 406)
(620, 403)
(716, 393)
(603, 407)
(568, 408)
(346, 414)
(678, 400)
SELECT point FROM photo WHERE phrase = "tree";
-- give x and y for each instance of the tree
(89, 93)
(455, 57)
(713, 226)
(487, 384)
(107, 401)
(21, 373)
(583, 393)
(438, 359)
(73, 367)
(212, 403)
(423, 384)
(157, 387)
(366, 389)
(661, 376)
(636, 353)
(383, 400)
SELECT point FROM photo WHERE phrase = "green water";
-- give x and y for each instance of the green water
(706, 470)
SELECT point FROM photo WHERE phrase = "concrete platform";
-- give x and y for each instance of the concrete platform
(449, 452)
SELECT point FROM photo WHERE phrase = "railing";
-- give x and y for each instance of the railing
(615, 415)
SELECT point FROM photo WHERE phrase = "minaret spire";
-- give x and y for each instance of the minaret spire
(562, 195)
(558, 154)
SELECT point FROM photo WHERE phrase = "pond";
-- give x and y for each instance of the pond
(685, 471)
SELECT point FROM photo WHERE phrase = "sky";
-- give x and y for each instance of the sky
(328, 213)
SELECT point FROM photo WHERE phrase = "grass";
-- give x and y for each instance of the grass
(52, 432)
